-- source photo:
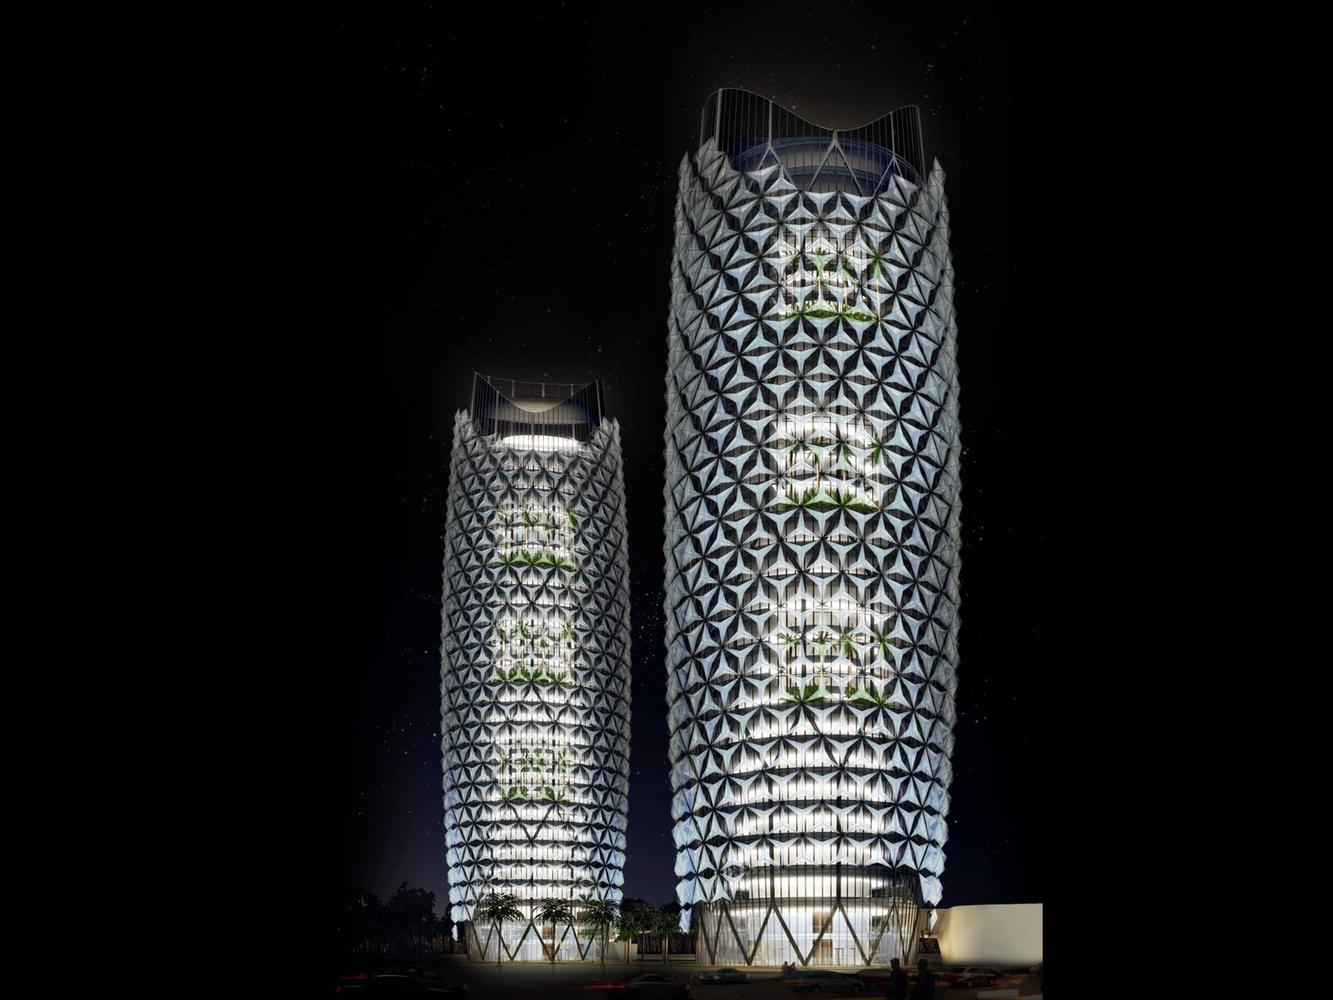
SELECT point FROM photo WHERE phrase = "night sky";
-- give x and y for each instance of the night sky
(504, 203)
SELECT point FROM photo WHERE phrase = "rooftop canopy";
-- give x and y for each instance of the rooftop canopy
(755, 133)
(509, 408)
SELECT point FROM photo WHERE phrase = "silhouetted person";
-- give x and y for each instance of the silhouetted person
(897, 981)
(925, 982)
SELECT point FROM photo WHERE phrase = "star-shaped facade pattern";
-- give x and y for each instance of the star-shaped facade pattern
(812, 537)
(536, 664)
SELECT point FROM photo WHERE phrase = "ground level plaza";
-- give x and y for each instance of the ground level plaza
(1005, 935)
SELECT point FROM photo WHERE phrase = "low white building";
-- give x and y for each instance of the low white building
(1007, 935)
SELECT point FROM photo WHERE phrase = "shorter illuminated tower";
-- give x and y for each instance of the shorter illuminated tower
(536, 662)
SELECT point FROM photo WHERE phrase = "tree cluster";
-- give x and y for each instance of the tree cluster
(403, 926)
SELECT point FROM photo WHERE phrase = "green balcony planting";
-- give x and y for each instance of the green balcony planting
(809, 694)
(534, 557)
(555, 797)
(531, 675)
(817, 499)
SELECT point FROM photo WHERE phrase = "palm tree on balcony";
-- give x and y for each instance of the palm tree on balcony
(846, 644)
(851, 500)
(877, 260)
(554, 912)
(881, 640)
(798, 499)
(844, 449)
(600, 914)
(790, 644)
(796, 447)
(823, 646)
(495, 908)
(875, 449)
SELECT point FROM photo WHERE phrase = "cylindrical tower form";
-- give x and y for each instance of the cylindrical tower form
(812, 535)
(536, 662)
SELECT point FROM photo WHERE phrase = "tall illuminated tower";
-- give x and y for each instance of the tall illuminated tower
(536, 661)
(812, 535)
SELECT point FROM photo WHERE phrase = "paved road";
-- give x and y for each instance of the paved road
(588, 981)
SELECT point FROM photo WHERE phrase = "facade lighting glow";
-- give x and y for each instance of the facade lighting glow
(812, 535)
(536, 662)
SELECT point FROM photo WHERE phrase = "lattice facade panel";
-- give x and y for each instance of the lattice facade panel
(535, 677)
(812, 558)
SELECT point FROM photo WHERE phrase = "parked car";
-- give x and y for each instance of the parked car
(972, 976)
(654, 984)
(724, 976)
(821, 981)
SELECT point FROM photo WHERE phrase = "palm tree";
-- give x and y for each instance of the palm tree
(875, 450)
(823, 646)
(807, 695)
(634, 921)
(495, 908)
(882, 639)
(861, 690)
(790, 644)
(878, 259)
(555, 797)
(847, 636)
(845, 500)
(844, 448)
(626, 927)
(665, 923)
(600, 914)
(796, 447)
(554, 912)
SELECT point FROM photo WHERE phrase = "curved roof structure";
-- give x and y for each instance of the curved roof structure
(507, 407)
(756, 132)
